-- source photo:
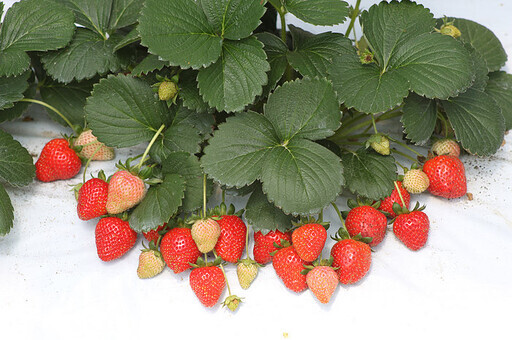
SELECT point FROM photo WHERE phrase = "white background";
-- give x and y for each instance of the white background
(53, 285)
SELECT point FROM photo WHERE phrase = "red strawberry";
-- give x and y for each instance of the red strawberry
(92, 199)
(154, 234)
(446, 175)
(125, 191)
(322, 281)
(352, 258)
(309, 240)
(231, 242)
(446, 146)
(208, 284)
(57, 161)
(205, 233)
(367, 221)
(91, 147)
(150, 264)
(179, 249)
(412, 229)
(264, 244)
(386, 204)
(114, 238)
(288, 266)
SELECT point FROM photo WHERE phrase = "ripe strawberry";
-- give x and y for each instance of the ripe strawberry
(446, 175)
(167, 90)
(412, 229)
(92, 199)
(179, 249)
(322, 281)
(415, 181)
(205, 234)
(367, 221)
(208, 284)
(264, 244)
(352, 258)
(125, 191)
(150, 264)
(91, 147)
(57, 161)
(114, 238)
(154, 234)
(446, 146)
(246, 270)
(309, 240)
(231, 242)
(288, 266)
(386, 204)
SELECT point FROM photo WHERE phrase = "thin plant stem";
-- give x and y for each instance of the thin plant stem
(247, 243)
(339, 214)
(400, 165)
(353, 18)
(89, 160)
(403, 155)
(283, 25)
(204, 196)
(153, 140)
(373, 123)
(224, 273)
(400, 194)
(35, 101)
(405, 146)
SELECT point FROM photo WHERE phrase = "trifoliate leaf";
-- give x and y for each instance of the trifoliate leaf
(369, 174)
(6, 210)
(479, 68)
(160, 204)
(301, 177)
(189, 91)
(264, 216)
(477, 121)
(11, 89)
(123, 111)
(304, 108)
(318, 12)
(237, 77)
(130, 38)
(233, 19)
(16, 165)
(202, 121)
(276, 56)
(313, 54)
(419, 118)
(92, 14)
(19, 107)
(124, 13)
(149, 64)
(499, 88)
(179, 31)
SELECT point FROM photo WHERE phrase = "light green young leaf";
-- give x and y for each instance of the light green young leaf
(318, 12)
(178, 31)
(6, 211)
(419, 118)
(149, 64)
(93, 14)
(499, 88)
(11, 89)
(276, 56)
(160, 204)
(237, 77)
(123, 111)
(16, 165)
(477, 121)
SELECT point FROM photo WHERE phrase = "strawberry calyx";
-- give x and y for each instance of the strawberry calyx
(399, 210)
(318, 263)
(248, 262)
(310, 220)
(284, 244)
(202, 262)
(232, 302)
(222, 210)
(359, 202)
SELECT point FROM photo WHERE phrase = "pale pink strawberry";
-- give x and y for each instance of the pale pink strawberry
(205, 234)
(322, 281)
(125, 191)
(91, 147)
(151, 264)
(446, 146)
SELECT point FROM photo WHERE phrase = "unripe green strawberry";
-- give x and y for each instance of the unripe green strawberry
(446, 146)
(205, 234)
(150, 264)
(125, 191)
(232, 302)
(380, 144)
(167, 90)
(92, 148)
(246, 270)
(322, 281)
(449, 29)
(415, 181)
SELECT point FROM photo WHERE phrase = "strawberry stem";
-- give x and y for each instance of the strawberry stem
(339, 215)
(373, 123)
(405, 146)
(353, 18)
(28, 100)
(204, 196)
(90, 159)
(153, 140)
(247, 243)
(400, 194)
(224, 273)
(403, 154)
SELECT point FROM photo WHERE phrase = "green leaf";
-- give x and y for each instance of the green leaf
(13, 62)
(122, 111)
(302, 177)
(235, 154)
(19, 107)
(16, 164)
(304, 108)
(233, 19)
(188, 166)
(483, 40)
(1, 9)
(479, 67)
(499, 88)
(477, 121)
(11, 89)
(124, 13)
(203, 121)
(6, 210)
(130, 38)
(264, 216)
(237, 77)
(369, 174)
(313, 54)
(178, 31)
(189, 92)
(276, 56)
(419, 118)
(318, 12)
(69, 99)
(149, 64)
(160, 204)
(87, 55)
(93, 14)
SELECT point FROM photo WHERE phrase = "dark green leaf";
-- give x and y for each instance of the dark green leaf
(93, 14)
(11, 89)
(318, 12)
(276, 56)
(149, 64)
(20, 107)
(499, 88)
(189, 91)
(130, 38)
(419, 118)
(477, 121)
(13, 62)
(123, 111)
(202, 121)
(479, 67)
(16, 165)
(6, 210)
(178, 31)
(264, 216)
(124, 13)
(237, 77)
(369, 174)
(160, 204)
